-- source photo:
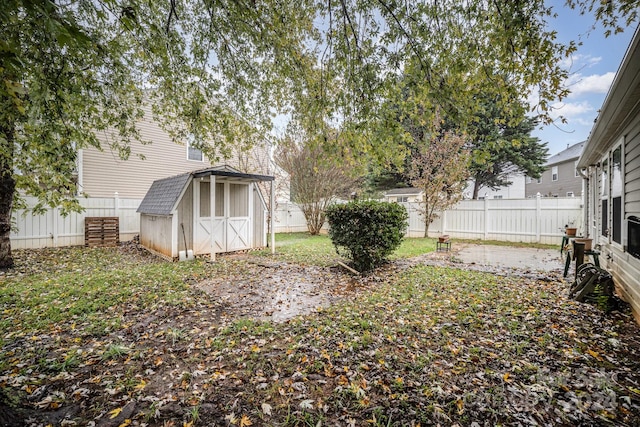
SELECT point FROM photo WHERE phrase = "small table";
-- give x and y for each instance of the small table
(565, 241)
(443, 246)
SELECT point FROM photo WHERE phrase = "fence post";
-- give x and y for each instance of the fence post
(538, 217)
(54, 234)
(444, 222)
(486, 218)
(116, 204)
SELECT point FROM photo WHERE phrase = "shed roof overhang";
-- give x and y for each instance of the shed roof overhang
(227, 171)
(621, 105)
(165, 194)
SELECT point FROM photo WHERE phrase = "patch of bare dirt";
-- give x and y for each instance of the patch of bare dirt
(277, 291)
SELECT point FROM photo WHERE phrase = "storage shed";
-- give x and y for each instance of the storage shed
(209, 211)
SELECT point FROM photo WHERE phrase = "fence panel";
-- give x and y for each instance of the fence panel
(289, 219)
(516, 220)
(51, 229)
(519, 220)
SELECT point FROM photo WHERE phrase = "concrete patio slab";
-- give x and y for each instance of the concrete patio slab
(511, 257)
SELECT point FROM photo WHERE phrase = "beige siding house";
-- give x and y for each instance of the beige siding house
(610, 164)
(403, 195)
(103, 173)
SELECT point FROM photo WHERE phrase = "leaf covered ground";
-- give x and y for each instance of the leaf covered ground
(116, 337)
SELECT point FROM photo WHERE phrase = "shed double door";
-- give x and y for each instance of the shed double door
(229, 229)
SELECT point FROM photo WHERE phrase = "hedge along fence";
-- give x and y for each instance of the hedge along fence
(366, 232)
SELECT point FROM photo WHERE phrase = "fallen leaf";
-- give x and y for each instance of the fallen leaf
(266, 409)
(245, 421)
(114, 413)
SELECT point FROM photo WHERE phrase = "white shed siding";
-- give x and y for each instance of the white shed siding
(156, 233)
(259, 220)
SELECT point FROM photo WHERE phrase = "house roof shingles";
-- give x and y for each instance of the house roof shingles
(571, 153)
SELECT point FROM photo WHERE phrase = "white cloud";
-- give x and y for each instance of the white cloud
(571, 110)
(579, 61)
(595, 83)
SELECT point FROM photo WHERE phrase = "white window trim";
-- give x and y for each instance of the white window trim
(554, 173)
(189, 143)
(623, 224)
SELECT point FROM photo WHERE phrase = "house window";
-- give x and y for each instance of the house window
(554, 173)
(403, 199)
(575, 168)
(616, 195)
(499, 196)
(539, 180)
(604, 198)
(529, 180)
(570, 194)
(193, 153)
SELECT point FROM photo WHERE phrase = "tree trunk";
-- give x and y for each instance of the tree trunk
(476, 188)
(7, 189)
(427, 216)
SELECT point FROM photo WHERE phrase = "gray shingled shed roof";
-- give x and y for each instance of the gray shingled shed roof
(571, 153)
(164, 193)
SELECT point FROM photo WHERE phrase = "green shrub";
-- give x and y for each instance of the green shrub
(366, 232)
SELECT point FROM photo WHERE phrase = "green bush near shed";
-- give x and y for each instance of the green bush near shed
(366, 232)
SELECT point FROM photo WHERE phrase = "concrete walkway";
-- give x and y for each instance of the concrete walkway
(511, 257)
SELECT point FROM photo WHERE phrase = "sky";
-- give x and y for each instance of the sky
(592, 69)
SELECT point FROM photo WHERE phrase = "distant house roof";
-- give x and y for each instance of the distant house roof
(410, 191)
(164, 193)
(571, 153)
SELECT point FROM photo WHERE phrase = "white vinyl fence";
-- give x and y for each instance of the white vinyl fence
(539, 220)
(517, 220)
(289, 219)
(51, 229)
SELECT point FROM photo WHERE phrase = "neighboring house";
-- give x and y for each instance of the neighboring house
(561, 178)
(103, 173)
(611, 163)
(403, 195)
(516, 190)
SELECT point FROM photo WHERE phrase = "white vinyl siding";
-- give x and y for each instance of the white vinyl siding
(104, 173)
